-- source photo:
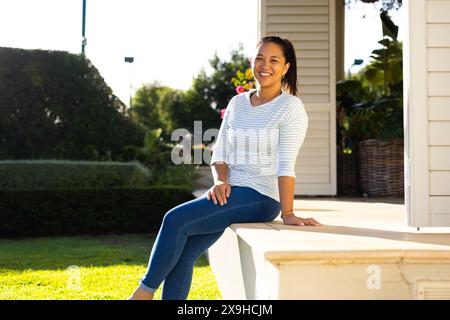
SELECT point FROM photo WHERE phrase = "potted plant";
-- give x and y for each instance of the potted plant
(350, 95)
(370, 117)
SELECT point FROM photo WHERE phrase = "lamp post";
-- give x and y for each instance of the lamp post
(83, 29)
(130, 60)
(356, 62)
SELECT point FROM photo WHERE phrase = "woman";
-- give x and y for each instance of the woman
(243, 191)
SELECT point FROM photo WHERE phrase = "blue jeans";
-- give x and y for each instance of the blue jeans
(190, 228)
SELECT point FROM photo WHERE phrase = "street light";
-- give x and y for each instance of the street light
(130, 60)
(356, 62)
(83, 29)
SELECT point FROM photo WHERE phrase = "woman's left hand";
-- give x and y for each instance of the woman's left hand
(291, 219)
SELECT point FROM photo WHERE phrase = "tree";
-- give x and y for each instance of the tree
(194, 107)
(156, 106)
(382, 5)
(217, 88)
(152, 105)
(54, 104)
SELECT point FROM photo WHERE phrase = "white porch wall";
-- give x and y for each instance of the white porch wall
(427, 116)
(310, 26)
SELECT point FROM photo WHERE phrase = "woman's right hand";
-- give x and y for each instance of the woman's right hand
(219, 192)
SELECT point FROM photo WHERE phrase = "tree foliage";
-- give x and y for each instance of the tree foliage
(55, 104)
(370, 105)
(217, 88)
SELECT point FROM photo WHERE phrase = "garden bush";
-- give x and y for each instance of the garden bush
(57, 212)
(56, 105)
(60, 174)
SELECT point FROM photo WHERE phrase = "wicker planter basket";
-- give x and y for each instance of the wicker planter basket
(381, 167)
(347, 174)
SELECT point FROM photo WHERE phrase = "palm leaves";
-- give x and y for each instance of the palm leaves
(370, 106)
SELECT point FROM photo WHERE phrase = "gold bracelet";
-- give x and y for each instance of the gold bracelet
(286, 212)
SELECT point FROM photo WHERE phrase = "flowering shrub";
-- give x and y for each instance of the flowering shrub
(243, 81)
(222, 112)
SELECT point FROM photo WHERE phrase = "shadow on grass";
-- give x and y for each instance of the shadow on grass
(83, 251)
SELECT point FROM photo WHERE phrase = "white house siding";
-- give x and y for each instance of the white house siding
(438, 54)
(427, 85)
(309, 25)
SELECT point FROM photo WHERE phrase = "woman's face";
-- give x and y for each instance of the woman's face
(269, 65)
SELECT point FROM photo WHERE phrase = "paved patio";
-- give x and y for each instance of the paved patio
(387, 214)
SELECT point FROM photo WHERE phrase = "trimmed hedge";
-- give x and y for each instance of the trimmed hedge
(56, 105)
(32, 213)
(60, 174)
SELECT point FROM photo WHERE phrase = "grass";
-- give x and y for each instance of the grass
(105, 268)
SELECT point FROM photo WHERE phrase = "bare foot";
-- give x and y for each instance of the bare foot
(141, 294)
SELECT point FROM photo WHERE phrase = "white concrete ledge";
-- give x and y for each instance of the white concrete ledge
(363, 251)
(337, 244)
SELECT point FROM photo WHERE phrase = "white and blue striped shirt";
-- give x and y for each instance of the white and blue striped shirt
(261, 143)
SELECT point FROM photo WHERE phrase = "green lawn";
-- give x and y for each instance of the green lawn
(106, 267)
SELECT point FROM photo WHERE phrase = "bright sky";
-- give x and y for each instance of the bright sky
(363, 30)
(170, 40)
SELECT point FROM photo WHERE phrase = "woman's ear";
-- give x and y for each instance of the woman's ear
(286, 68)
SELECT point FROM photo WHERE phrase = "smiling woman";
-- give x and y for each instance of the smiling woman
(245, 186)
(275, 62)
